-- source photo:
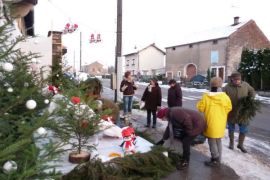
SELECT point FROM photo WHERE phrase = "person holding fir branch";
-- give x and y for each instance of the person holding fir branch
(237, 90)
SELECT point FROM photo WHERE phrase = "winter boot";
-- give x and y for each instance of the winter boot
(231, 136)
(214, 162)
(182, 165)
(241, 143)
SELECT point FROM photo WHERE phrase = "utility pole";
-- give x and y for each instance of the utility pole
(80, 51)
(118, 49)
(74, 62)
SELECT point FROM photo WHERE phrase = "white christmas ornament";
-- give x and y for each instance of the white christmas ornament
(34, 60)
(41, 131)
(46, 101)
(10, 90)
(31, 104)
(10, 166)
(8, 67)
(99, 104)
(38, 61)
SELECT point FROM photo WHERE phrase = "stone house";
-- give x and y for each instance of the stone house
(147, 61)
(95, 69)
(217, 49)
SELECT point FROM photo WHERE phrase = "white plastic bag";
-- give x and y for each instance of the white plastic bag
(142, 104)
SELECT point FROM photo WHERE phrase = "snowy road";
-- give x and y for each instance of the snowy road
(255, 164)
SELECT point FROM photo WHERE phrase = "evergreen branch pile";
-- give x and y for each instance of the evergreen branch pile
(150, 165)
(247, 109)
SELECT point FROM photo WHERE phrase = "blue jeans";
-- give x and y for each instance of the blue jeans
(242, 128)
(128, 101)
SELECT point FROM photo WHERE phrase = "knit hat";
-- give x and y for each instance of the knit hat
(235, 75)
(126, 132)
(162, 113)
(216, 82)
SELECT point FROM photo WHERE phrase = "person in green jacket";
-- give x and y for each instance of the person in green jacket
(237, 89)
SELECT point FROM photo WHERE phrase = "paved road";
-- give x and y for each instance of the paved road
(259, 127)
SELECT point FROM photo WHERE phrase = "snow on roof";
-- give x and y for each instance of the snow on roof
(210, 34)
(151, 45)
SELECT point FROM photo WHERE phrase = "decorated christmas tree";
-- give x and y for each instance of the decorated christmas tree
(24, 120)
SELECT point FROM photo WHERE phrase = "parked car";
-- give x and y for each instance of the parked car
(198, 80)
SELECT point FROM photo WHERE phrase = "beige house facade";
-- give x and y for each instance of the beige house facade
(218, 49)
(147, 61)
(95, 69)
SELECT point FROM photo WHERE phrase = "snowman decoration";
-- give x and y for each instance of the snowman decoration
(128, 144)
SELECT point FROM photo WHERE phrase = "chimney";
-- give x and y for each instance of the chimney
(236, 20)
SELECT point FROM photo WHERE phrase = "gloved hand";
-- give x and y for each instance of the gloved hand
(161, 142)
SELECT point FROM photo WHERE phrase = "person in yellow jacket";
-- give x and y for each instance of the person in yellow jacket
(215, 105)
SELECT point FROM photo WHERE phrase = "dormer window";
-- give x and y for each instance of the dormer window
(215, 41)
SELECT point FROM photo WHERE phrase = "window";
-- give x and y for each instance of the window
(215, 41)
(127, 62)
(214, 57)
(179, 73)
(133, 62)
(190, 46)
(169, 74)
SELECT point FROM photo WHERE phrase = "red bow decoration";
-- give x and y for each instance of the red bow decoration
(75, 100)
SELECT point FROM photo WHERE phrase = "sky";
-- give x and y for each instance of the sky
(163, 22)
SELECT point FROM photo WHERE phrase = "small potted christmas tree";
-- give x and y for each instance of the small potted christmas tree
(78, 123)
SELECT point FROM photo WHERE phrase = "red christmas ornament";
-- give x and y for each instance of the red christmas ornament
(75, 100)
(53, 89)
(84, 124)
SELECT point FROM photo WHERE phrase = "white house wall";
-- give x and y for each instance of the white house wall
(42, 46)
(151, 59)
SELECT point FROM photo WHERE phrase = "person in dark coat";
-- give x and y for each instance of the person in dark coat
(184, 125)
(174, 94)
(128, 88)
(152, 99)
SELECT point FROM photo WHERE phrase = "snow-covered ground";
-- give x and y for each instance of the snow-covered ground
(265, 100)
(254, 165)
(248, 166)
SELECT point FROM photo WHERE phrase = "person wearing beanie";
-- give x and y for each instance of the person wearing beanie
(174, 94)
(183, 125)
(128, 88)
(215, 106)
(237, 89)
(152, 99)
